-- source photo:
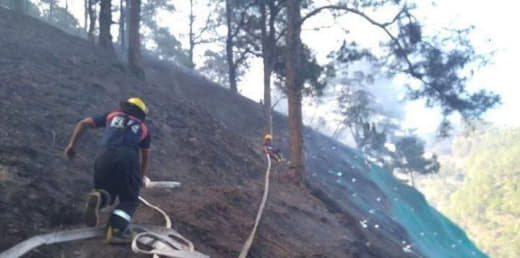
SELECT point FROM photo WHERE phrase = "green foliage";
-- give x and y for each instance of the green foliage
(161, 40)
(215, 67)
(28, 7)
(409, 156)
(487, 202)
(63, 19)
(53, 14)
(436, 65)
(168, 47)
(313, 75)
(357, 108)
(150, 9)
(373, 128)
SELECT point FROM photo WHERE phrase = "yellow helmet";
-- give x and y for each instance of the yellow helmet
(268, 137)
(138, 102)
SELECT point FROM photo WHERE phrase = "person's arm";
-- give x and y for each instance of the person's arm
(144, 145)
(78, 131)
(144, 163)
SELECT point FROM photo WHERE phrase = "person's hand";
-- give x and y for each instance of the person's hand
(145, 181)
(69, 152)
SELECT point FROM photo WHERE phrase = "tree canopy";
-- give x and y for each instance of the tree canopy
(437, 66)
(479, 189)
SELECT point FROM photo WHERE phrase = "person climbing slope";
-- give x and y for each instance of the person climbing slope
(119, 172)
(268, 148)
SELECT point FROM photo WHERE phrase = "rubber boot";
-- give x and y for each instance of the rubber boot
(116, 236)
(96, 200)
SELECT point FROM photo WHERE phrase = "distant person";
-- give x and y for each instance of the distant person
(118, 170)
(268, 148)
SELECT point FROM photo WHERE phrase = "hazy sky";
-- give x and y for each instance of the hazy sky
(493, 20)
(493, 31)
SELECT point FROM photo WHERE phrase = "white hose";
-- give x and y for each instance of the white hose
(50, 238)
(165, 245)
(172, 244)
(249, 242)
(160, 184)
(168, 222)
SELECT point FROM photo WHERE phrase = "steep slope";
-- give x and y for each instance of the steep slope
(203, 136)
(50, 80)
(389, 212)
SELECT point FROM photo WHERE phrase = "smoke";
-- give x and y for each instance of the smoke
(323, 113)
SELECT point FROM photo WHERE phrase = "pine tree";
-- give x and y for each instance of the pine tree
(105, 21)
(134, 42)
(294, 88)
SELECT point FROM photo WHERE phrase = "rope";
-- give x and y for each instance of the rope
(249, 242)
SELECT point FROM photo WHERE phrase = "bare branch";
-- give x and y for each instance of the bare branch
(277, 101)
(397, 16)
(204, 29)
(207, 41)
(319, 28)
(383, 26)
(256, 54)
(242, 56)
(241, 21)
(411, 69)
(282, 33)
(252, 35)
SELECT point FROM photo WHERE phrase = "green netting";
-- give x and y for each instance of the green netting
(431, 232)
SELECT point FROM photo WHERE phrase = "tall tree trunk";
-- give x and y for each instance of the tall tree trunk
(122, 24)
(93, 18)
(267, 96)
(134, 41)
(105, 21)
(51, 10)
(294, 89)
(229, 50)
(86, 15)
(191, 36)
(267, 62)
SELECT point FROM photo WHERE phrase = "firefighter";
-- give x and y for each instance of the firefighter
(119, 168)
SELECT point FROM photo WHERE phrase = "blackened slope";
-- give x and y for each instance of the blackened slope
(50, 80)
(340, 177)
(245, 117)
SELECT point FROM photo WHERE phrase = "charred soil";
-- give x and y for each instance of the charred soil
(203, 136)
